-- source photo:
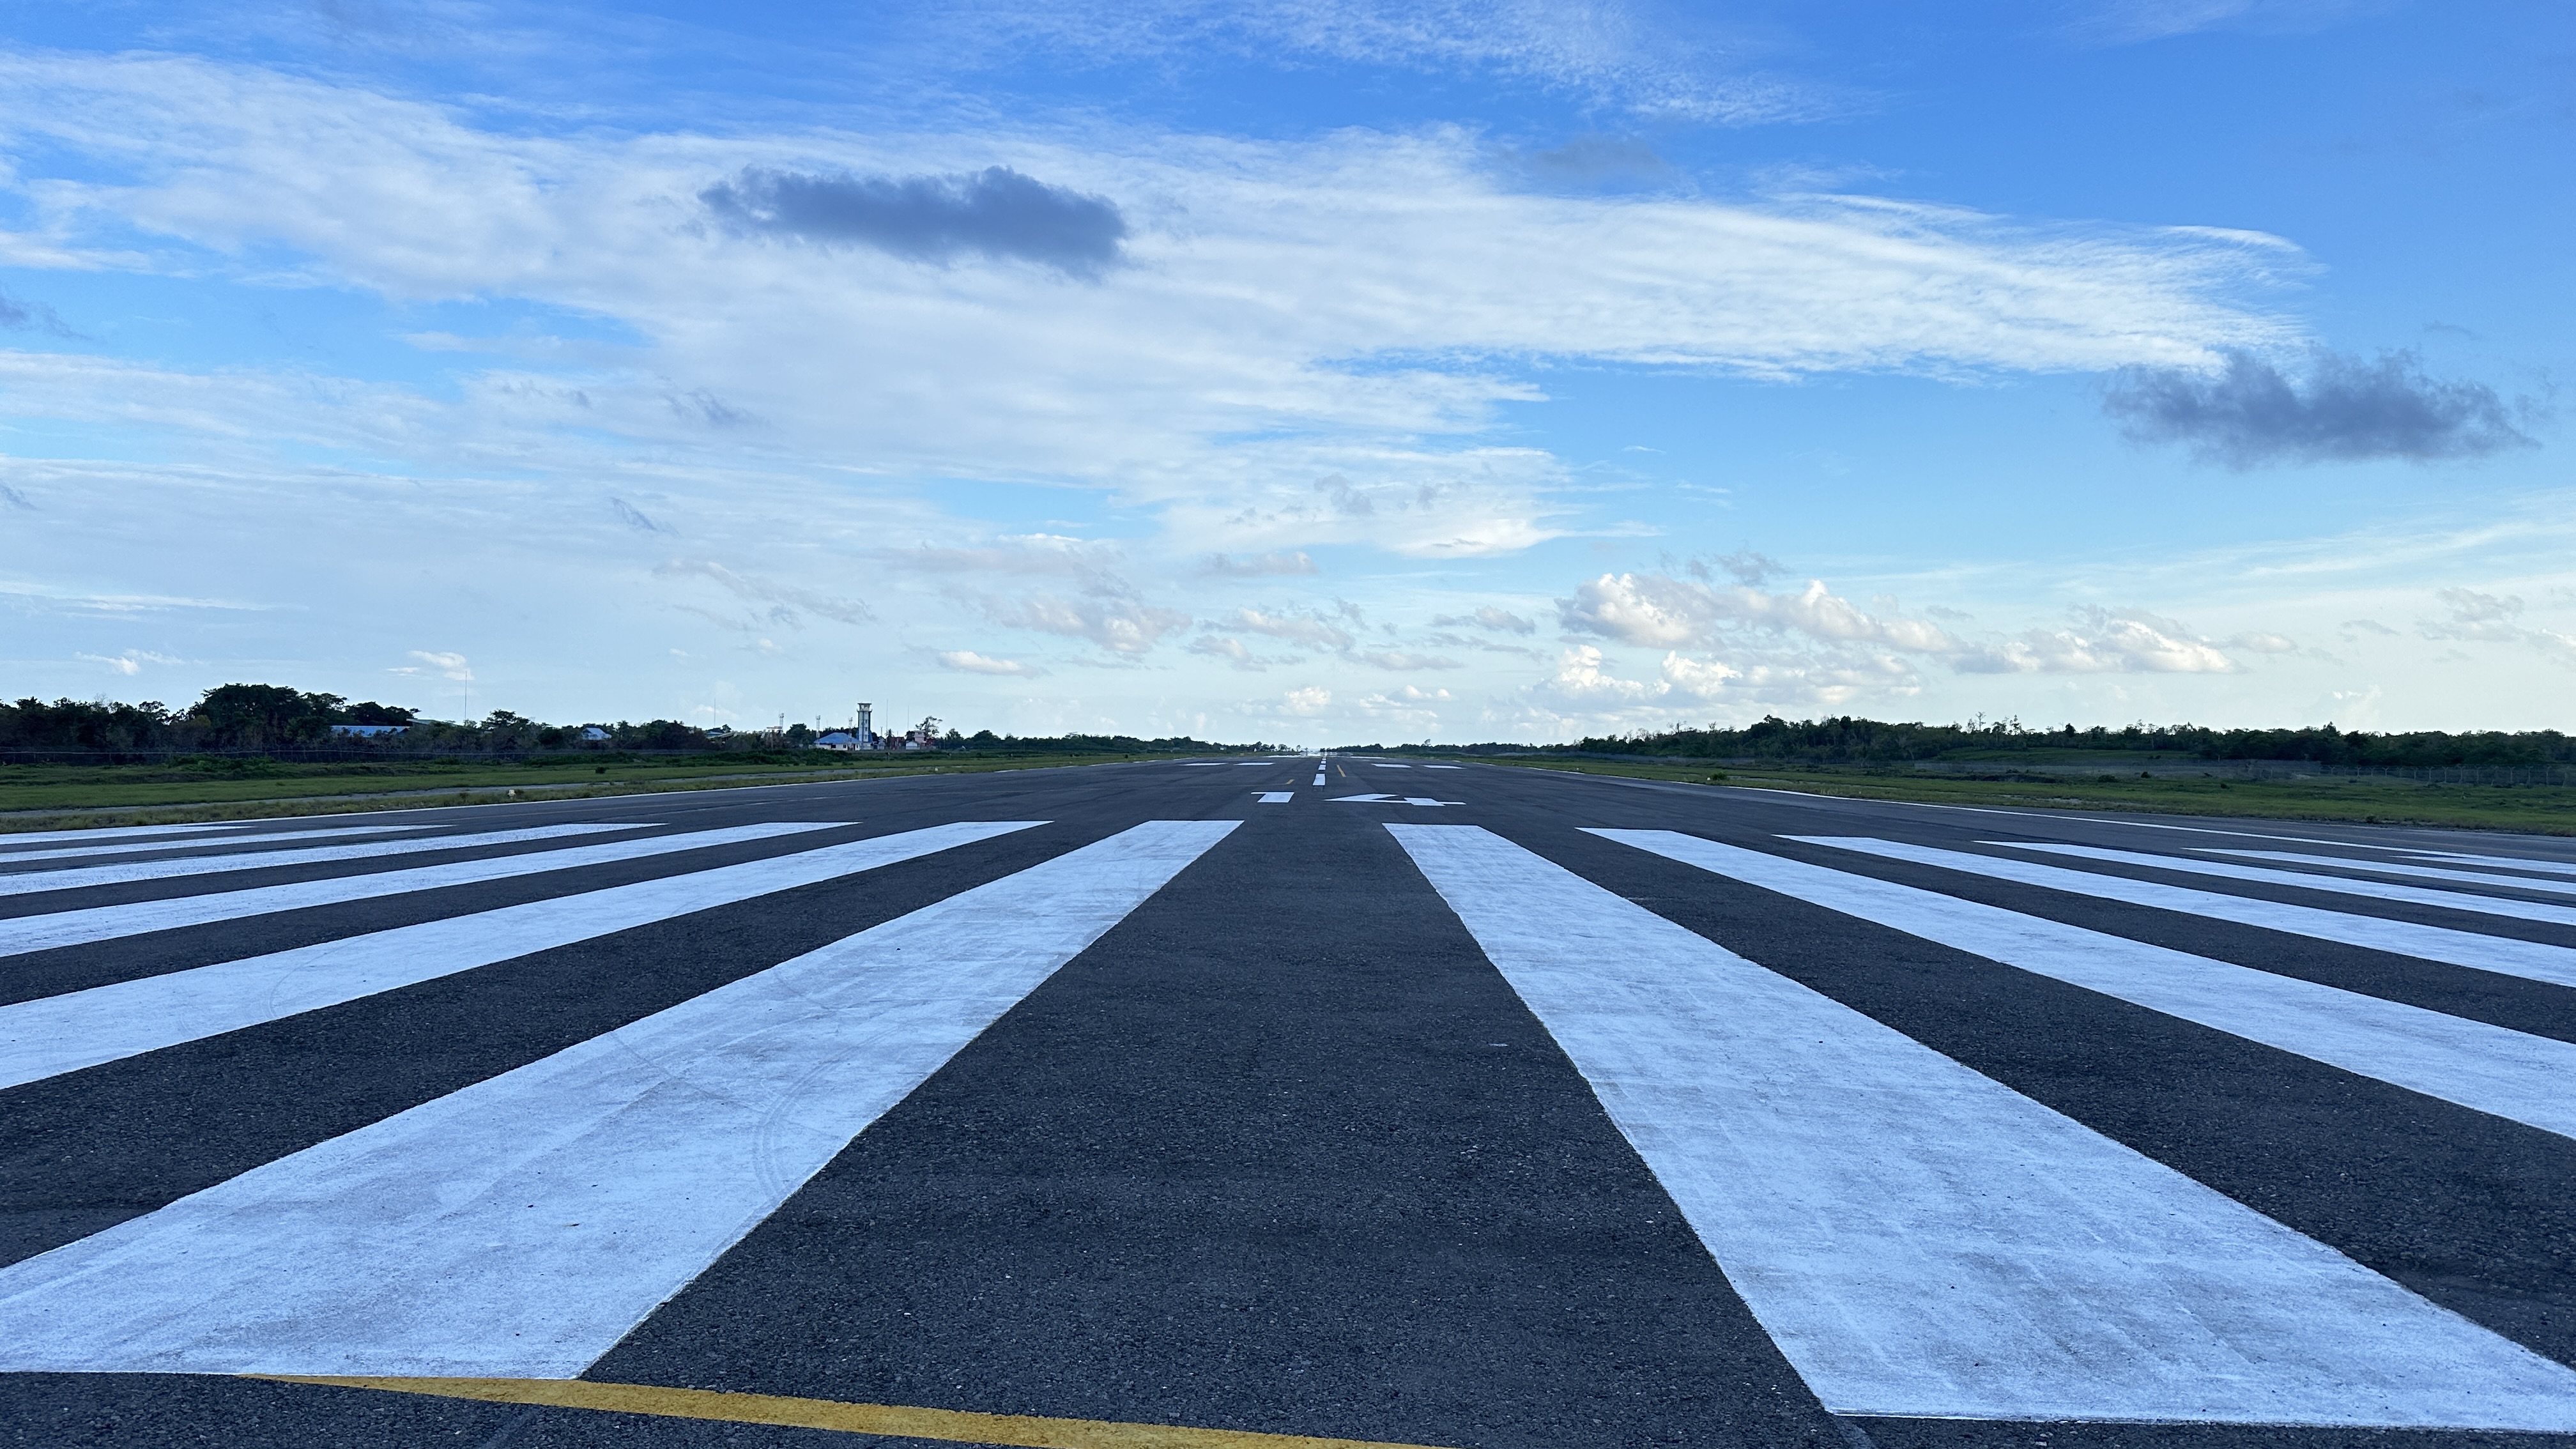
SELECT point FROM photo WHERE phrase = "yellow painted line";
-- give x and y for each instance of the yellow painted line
(1023, 1431)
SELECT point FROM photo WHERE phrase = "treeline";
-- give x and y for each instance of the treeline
(1100, 744)
(1849, 739)
(252, 717)
(258, 718)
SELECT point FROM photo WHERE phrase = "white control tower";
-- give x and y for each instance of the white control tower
(867, 726)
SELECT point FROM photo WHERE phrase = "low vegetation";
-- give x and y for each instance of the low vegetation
(2536, 809)
(259, 750)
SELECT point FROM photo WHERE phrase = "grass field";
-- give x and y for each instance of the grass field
(56, 797)
(2536, 809)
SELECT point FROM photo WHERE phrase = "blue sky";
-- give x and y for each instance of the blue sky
(1321, 372)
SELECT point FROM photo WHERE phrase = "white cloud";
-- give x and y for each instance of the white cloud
(1487, 616)
(1401, 660)
(1625, 56)
(1287, 561)
(1297, 629)
(1303, 702)
(2491, 619)
(967, 661)
(2105, 641)
(1661, 611)
(1121, 626)
(445, 665)
(1261, 272)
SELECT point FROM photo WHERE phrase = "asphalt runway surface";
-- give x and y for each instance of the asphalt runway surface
(1353, 1102)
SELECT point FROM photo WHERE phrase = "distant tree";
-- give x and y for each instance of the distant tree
(372, 713)
(799, 736)
(252, 716)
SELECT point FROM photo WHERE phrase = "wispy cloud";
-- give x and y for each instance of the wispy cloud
(2345, 410)
(2129, 22)
(1487, 616)
(2476, 617)
(1253, 566)
(1655, 60)
(755, 589)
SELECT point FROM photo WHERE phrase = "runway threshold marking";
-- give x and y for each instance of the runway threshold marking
(1921, 1240)
(956, 1426)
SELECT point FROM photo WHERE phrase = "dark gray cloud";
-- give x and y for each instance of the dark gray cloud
(634, 517)
(996, 212)
(18, 315)
(2346, 410)
(1592, 158)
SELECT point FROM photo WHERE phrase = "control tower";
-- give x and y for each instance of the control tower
(866, 730)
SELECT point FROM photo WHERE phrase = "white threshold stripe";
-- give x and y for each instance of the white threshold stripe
(2338, 885)
(2486, 1068)
(2501, 862)
(1277, 797)
(236, 842)
(2531, 960)
(33, 882)
(1922, 1241)
(115, 832)
(58, 1034)
(522, 1226)
(106, 923)
(2399, 867)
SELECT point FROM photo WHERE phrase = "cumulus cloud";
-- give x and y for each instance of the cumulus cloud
(1232, 651)
(2104, 641)
(2249, 413)
(1262, 565)
(1661, 611)
(997, 213)
(1120, 625)
(1302, 629)
(967, 661)
(1303, 702)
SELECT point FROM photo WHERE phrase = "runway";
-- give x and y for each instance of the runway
(1290, 1102)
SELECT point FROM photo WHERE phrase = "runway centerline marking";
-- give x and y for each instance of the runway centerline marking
(955, 1426)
